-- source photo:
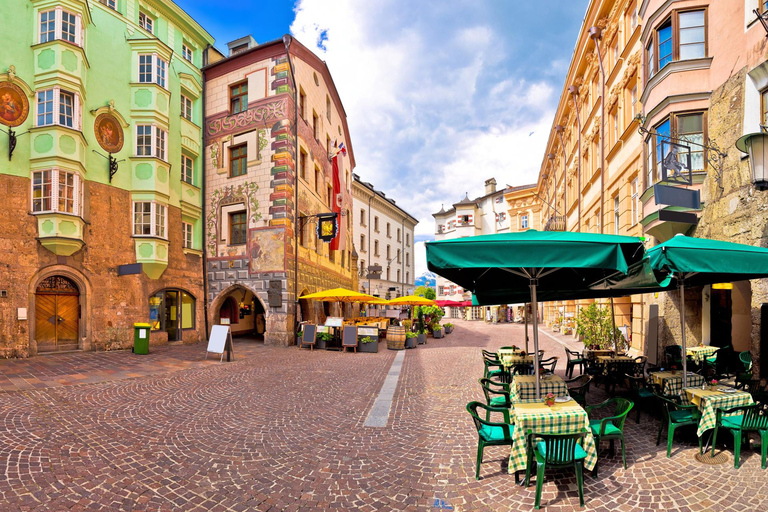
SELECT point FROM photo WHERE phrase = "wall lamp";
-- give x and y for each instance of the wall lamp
(756, 146)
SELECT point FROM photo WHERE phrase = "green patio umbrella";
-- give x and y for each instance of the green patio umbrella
(523, 266)
(694, 262)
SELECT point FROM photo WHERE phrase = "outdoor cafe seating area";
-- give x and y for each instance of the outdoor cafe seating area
(570, 421)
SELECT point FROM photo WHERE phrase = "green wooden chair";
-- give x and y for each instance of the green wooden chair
(578, 388)
(489, 433)
(496, 395)
(741, 425)
(677, 415)
(555, 451)
(610, 428)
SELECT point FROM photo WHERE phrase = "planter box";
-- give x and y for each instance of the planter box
(410, 342)
(422, 339)
(448, 330)
(368, 347)
(320, 343)
(438, 333)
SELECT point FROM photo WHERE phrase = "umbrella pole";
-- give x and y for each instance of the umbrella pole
(525, 315)
(682, 328)
(535, 307)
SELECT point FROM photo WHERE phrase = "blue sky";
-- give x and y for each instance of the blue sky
(440, 95)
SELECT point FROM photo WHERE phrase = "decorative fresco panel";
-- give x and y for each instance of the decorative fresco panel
(267, 249)
(108, 133)
(14, 105)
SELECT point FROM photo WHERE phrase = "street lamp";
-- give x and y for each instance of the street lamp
(756, 145)
(596, 34)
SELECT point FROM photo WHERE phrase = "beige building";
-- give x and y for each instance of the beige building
(267, 180)
(383, 238)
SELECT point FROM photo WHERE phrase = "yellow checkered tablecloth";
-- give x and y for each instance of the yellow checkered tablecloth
(523, 388)
(615, 359)
(561, 418)
(709, 401)
(698, 354)
(672, 384)
(594, 354)
(504, 352)
(512, 360)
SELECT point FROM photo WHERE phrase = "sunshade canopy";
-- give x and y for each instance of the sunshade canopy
(498, 268)
(339, 295)
(448, 303)
(411, 300)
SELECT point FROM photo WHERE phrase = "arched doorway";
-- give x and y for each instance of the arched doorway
(229, 311)
(57, 315)
(241, 309)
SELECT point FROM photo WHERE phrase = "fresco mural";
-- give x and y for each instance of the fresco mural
(243, 193)
(266, 248)
(14, 106)
(108, 133)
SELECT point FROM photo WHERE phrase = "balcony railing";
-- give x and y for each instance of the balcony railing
(555, 223)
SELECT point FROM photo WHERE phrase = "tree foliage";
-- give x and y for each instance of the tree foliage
(425, 291)
(594, 326)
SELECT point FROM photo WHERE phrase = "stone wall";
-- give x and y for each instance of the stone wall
(110, 304)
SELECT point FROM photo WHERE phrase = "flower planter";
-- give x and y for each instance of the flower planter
(448, 330)
(410, 342)
(422, 339)
(368, 347)
(438, 333)
(320, 343)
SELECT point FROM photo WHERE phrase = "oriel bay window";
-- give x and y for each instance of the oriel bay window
(150, 219)
(152, 69)
(56, 191)
(151, 141)
(685, 128)
(57, 106)
(681, 36)
(60, 24)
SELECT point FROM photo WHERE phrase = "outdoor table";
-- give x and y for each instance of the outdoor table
(560, 418)
(615, 359)
(709, 401)
(508, 352)
(594, 354)
(512, 360)
(699, 354)
(523, 388)
(672, 383)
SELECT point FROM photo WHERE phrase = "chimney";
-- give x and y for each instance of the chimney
(490, 186)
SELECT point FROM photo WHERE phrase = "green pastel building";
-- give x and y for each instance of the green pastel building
(101, 223)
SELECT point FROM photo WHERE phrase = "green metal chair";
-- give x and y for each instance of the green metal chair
(496, 395)
(741, 425)
(746, 360)
(489, 433)
(611, 427)
(677, 415)
(555, 451)
(579, 389)
(574, 359)
(641, 392)
(549, 364)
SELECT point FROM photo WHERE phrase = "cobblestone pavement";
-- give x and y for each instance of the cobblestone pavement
(282, 429)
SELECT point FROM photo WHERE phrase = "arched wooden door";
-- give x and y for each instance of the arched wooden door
(57, 315)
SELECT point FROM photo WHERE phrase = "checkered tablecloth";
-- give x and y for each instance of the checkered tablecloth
(512, 360)
(504, 352)
(673, 384)
(615, 359)
(523, 388)
(709, 401)
(594, 354)
(562, 418)
(698, 354)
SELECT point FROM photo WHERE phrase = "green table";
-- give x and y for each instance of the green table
(523, 388)
(672, 383)
(709, 401)
(561, 418)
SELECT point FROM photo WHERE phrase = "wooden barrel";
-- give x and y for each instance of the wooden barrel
(396, 337)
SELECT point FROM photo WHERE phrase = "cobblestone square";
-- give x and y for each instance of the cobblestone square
(283, 429)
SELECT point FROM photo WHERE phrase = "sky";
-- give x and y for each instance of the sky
(440, 95)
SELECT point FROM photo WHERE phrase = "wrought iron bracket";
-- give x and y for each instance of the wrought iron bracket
(113, 164)
(12, 138)
(714, 155)
(763, 19)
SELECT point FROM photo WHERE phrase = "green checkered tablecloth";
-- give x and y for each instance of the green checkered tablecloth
(673, 384)
(562, 418)
(511, 360)
(709, 401)
(698, 354)
(523, 388)
(504, 352)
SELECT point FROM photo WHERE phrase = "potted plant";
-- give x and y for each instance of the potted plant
(410, 339)
(408, 324)
(549, 400)
(713, 385)
(299, 335)
(368, 344)
(322, 340)
(448, 328)
(437, 331)
(421, 337)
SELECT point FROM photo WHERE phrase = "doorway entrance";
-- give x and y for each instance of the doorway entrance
(57, 315)
(720, 317)
(244, 312)
(172, 311)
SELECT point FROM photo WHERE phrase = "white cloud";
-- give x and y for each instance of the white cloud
(434, 103)
(419, 258)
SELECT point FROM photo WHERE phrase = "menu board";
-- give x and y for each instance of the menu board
(334, 321)
(363, 330)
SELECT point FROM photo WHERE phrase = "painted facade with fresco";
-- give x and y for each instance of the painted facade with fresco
(255, 168)
(101, 171)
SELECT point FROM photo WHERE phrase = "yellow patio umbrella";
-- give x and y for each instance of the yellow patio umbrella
(411, 300)
(378, 301)
(339, 295)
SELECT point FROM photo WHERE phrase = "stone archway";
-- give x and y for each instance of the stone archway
(245, 310)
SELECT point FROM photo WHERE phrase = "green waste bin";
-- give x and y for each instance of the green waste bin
(141, 338)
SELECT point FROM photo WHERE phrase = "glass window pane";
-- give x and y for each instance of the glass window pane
(155, 306)
(692, 35)
(691, 19)
(690, 124)
(187, 311)
(692, 51)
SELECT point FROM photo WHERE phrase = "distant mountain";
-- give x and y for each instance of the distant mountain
(426, 279)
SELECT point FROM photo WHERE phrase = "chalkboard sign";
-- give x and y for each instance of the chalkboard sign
(220, 337)
(368, 331)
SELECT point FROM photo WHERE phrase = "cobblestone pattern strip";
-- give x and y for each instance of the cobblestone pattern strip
(380, 411)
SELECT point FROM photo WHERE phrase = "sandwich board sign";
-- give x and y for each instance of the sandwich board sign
(220, 340)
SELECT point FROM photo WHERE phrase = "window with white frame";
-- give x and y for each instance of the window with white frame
(152, 69)
(58, 191)
(149, 219)
(186, 229)
(524, 222)
(186, 108)
(187, 169)
(146, 22)
(635, 198)
(57, 106)
(151, 141)
(112, 4)
(59, 24)
(186, 52)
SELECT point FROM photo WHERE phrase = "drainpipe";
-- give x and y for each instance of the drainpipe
(202, 191)
(287, 40)
(596, 33)
(575, 92)
(559, 129)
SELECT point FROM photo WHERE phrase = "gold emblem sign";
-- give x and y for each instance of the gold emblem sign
(108, 133)
(14, 105)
